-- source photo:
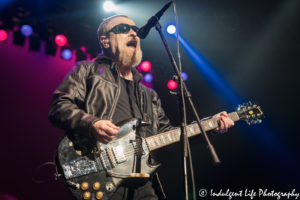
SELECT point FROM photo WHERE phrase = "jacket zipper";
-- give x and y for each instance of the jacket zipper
(117, 97)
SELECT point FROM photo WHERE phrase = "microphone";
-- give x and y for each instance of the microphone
(144, 31)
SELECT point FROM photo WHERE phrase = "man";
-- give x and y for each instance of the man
(95, 97)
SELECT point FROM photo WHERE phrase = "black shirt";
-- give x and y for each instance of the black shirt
(127, 106)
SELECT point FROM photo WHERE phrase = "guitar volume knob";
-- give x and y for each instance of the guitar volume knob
(84, 186)
(86, 195)
(99, 195)
(96, 186)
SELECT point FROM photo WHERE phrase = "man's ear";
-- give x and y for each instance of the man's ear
(104, 41)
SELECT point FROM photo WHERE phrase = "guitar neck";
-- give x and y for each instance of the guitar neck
(169, 137)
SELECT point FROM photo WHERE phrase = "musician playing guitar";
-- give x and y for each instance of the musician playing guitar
(96, 97)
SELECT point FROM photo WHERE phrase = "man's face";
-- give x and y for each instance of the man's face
(125, 47)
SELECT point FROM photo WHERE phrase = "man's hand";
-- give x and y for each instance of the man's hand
(224, 122)
(104, 131)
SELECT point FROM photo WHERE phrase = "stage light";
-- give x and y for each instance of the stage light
(148, 78)
(108, 6)
(146, 66)
(66, 54)
(3, 35)
(171, 29)
(172, 84)
(60, 40)
(26, 30)
(184, 76)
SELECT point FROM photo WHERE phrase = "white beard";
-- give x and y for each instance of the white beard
(130, 57)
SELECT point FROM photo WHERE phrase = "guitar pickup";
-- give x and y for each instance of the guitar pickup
(111, 157)
(119, 155)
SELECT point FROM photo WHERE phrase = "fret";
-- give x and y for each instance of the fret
(173, 136)
(169, 137)
(162, 138)
(192, 131)
(157, 141)
(234, 116)
(176, 135)
(150, 143)
(197, 129)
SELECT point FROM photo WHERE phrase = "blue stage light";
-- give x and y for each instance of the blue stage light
(184, 76)
(108, 6)
(26, 30)
(210, 74)
(171, 29)
(148, 78)
(67, 54)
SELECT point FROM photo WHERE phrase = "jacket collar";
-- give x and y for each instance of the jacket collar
(137, 77)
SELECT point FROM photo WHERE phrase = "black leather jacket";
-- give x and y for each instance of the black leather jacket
(90, 92)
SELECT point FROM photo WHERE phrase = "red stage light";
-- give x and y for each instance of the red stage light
(60, 40)
(3, 35)
(146, 66)
(172, 84)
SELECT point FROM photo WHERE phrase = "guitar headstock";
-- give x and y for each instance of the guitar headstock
(250, 113)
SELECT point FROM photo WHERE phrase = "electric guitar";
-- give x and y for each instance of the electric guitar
(92, 170)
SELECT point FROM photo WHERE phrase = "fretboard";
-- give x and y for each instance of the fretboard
(169, 137)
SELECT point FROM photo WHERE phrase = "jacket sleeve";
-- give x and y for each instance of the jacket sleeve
(65, 112)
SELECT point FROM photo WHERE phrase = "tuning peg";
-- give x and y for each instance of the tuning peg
(240, 107)
(259, 121)
(249, 123)
(250, 103)
(253, 122)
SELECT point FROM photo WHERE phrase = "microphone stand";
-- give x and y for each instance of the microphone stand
(187, 95)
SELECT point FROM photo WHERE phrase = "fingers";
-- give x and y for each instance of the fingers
(104, 131)
(108, 123)
(224, 113)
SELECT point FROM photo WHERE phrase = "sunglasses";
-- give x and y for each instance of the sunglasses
(122, 28)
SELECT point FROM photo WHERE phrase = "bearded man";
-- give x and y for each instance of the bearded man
(96, 97)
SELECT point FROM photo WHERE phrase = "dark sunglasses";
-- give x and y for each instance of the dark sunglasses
(122, 28)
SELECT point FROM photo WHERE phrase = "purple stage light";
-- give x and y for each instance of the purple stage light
(67, 54)
(26, 30)
(184, 76)
(148, 78)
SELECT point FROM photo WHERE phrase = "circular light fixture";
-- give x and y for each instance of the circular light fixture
(171, 29)
(60, 40)
(172, 85)
(148, 78)
(108, 6)
(184, 76)
(145, 66)
(26, 30)
(66, 54)
(3, 35)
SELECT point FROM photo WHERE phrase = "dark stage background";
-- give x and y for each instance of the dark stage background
(253, 46)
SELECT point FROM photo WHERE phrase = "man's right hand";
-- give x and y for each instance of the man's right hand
(104, 131)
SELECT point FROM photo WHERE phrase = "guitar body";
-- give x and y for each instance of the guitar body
(83, 160)
(92, 170)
